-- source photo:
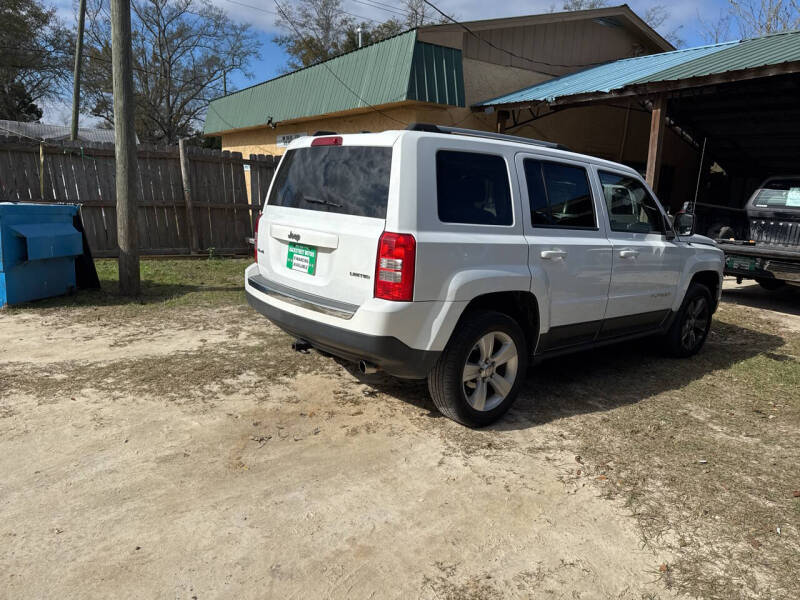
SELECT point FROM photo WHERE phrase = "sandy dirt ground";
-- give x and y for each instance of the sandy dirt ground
(189, 453)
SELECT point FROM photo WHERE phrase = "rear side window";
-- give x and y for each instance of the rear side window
(559, 195)
(472, 188)
(631, 208)
(350, 180)
(779, 193)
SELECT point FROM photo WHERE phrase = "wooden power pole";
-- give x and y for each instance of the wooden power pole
(125, 146)
(76, 80)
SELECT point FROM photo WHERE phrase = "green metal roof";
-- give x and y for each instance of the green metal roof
(758, 52)
(667, 66)
(396, 69)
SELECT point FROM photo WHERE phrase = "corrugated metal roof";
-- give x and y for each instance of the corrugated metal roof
(395, 69)
(680, 64)
(605, 77)
(43, 131)
(437, 75)
(747, 54)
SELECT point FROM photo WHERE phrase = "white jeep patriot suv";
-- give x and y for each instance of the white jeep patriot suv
(462, 256)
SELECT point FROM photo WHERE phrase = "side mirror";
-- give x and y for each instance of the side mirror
(684, 223)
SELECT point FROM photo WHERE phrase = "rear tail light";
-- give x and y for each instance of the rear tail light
(255, 238)
(327, 141)
(394, 267)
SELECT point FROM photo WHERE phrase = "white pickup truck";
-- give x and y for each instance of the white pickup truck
(463, 256)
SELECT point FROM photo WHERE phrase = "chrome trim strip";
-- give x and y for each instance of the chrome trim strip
(334, 308)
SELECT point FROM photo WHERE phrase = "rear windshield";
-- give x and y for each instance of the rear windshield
(350, 180)
(779, 193)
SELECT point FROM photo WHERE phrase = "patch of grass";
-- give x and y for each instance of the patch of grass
(199, 375)
(703, 452)
(167, 283)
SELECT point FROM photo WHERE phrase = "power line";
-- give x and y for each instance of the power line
(270, 12)
(325, 64)
(396, 11)
(504, 50)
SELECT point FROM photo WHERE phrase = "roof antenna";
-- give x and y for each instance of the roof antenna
(359, 36)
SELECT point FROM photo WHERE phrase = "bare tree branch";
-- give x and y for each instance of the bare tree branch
(183, 52)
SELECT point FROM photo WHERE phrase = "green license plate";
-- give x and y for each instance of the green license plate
(742, 263)
(302, 258)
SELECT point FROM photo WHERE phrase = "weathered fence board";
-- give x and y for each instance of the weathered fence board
(225, 201)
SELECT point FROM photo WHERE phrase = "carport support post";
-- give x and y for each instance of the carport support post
(656, 145)
(124, 147)
(502, 120)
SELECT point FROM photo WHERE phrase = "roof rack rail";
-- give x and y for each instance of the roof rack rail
(483, 134)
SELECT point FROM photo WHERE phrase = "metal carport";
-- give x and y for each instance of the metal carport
(737, 102)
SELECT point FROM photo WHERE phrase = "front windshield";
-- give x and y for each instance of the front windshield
(779, 193)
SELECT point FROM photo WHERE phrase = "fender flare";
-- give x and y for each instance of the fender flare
(698, 263)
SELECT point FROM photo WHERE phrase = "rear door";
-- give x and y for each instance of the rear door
(324, 214)
(569, 252)
(647, 264)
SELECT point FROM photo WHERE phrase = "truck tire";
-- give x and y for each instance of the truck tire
(689, 330)
(771, 284)
(720, 231)
(725, 233)
(479, 374)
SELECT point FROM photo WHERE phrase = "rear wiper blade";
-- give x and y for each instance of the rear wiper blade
(321, 201)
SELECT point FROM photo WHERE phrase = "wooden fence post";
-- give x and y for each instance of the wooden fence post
(186, 177)
(41, 172)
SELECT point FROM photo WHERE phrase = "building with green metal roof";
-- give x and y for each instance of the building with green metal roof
(433, 73)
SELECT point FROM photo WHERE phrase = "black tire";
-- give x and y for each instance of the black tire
(725, 233)
(718, 230)
(446, 382)
(689, 330)
(771, 284)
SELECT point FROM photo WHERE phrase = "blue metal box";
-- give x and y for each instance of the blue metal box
(38, 246)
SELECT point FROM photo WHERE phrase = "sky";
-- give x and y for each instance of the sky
(260, 14)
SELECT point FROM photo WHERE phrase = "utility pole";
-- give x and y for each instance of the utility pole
(76, 81)
(125, 146)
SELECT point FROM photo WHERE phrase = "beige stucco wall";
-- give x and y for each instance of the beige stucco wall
(263, 140)
(483, 81)
(596, 130)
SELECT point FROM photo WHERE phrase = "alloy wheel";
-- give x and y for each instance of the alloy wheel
(695, 324)
(490, 371)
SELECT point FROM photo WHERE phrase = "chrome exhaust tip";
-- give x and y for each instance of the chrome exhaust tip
(366, 368)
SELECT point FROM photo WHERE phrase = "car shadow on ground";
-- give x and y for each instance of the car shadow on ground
(785, 300)
(604, 378)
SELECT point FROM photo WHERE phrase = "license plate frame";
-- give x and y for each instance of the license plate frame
(301, 258)
(740, 263)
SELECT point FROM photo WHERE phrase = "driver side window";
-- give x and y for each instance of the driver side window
(631, 208)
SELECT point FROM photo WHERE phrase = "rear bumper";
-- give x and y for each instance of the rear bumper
(759, 262)
(389, 353)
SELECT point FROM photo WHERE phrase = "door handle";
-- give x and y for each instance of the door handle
(553, 254)
(628, 253)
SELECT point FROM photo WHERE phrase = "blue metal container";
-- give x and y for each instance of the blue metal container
(38, 246)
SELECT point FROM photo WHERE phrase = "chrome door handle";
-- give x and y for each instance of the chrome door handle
(553, 254)
(628, 253)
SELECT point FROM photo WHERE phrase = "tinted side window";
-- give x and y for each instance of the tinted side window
(472, 188)
(559, 195)
(631, 208)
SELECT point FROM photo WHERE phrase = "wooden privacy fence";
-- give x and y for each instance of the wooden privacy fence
(224, 192)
